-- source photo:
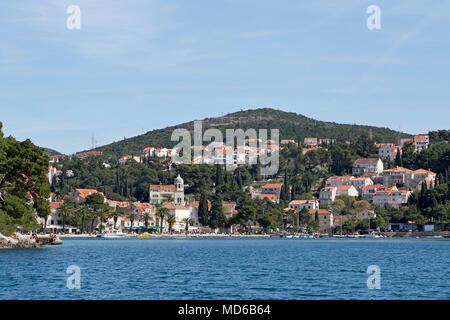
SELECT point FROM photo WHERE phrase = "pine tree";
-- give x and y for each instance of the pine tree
(203, 208)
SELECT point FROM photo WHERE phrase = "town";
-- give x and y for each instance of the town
(222, 193)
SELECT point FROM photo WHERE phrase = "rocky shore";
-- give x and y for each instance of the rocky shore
(17, 240)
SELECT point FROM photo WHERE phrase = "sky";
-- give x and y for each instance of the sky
(135, 65)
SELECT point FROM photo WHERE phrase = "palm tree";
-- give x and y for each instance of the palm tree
(132, 216)
(146, 217)
(171, 221)
(102, 218)
(115, 214)
(161, 212)
(64, 210)
(187, 222)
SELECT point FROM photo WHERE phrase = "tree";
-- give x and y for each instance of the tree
(146, 217)
(361, 205)
(187, 222)
(170, 221)
(203, 208)
(161, 212)
(23, 184)
(132, 216)
(217, 216)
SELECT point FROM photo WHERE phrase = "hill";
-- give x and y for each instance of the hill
(50, 152)
(291, 125)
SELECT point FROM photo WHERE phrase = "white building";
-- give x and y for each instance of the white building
(327, 195)
(298, 205)
(366, 165)
(393, 198)
(348, 190)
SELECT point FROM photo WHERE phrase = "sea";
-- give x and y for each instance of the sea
(234, 268)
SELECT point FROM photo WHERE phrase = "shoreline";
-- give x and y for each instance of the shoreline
(385, 235)
(16, 241)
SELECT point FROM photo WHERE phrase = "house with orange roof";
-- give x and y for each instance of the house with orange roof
(80, 195)
(148, 152)
(365, 165)
(421, 142)
(387, 150)
(310, 141)
(369, 191)
(336, 181)
(270, 197)
(298, 205)
(54, 222)
(347, 190)
(395, 198)
(327, 195)
(325, 219)
(272, 188)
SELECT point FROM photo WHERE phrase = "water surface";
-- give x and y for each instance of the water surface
(229, 269)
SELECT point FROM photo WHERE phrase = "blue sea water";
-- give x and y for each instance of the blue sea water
(229, 269)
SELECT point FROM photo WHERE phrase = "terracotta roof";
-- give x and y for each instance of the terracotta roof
(293, 202)
(366, 160)
(271, 197)
(273, 185)
(344, 187)
(319, 211)
(56, 204)
(161, 187)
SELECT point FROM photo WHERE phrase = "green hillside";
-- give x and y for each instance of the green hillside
(291, 125)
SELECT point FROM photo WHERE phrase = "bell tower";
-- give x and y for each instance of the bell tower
(179, 190)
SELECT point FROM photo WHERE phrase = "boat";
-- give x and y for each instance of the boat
(143, 236)
(113, 234)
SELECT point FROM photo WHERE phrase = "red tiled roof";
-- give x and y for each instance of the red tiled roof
(366, 160)
(161, 187)
(273, 185)
(319, 211)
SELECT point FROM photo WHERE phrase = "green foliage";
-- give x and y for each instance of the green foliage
(23, 183)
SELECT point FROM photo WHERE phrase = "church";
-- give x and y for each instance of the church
(160, 193)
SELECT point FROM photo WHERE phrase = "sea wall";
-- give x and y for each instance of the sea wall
(26, 241)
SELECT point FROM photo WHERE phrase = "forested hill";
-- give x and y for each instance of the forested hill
(291, 125)
(51, 152)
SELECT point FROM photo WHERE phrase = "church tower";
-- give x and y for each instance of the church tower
(179, 190)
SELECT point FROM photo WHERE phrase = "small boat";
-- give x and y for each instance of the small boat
(143, 236)
(113, 234)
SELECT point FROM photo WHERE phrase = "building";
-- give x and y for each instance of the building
(270, 197)
(421, 142)
(394, 198)
(126, 159)
(360, 183)
(365, 165)
(179, 212)
(403, 176)
(337, 181)
(80, 195)
(148, 152)
(369, 191)
(310, 141)
(55, 221)
(327, 195)
(272, 188)
(160, 193)
(347, 190)
(325, 219)
(298, 205)
(366, 214)
(386, 150)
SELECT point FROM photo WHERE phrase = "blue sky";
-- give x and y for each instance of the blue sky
(136, 65)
